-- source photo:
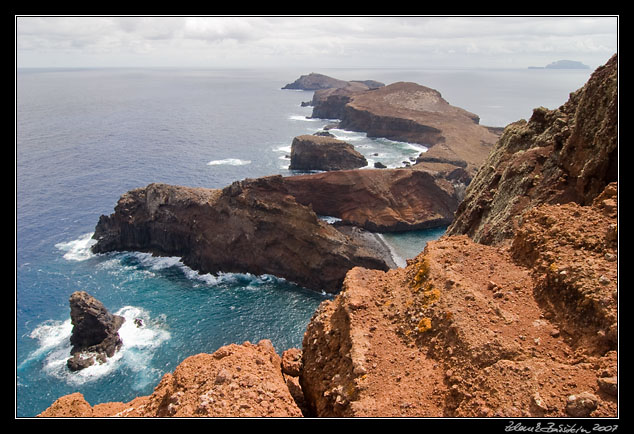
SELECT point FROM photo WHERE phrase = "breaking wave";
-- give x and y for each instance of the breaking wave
(141, 336)
(79, 249)
(229, 162)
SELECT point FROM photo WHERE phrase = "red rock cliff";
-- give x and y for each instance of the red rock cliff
(468, 330)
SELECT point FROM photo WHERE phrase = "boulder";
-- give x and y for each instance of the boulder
(95, 331)
(320, 152)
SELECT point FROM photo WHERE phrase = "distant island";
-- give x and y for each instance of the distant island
(562, 64)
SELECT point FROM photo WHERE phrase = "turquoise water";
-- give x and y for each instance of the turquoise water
(86, 136)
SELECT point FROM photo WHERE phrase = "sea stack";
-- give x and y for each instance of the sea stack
(312, 152)
(95, 331)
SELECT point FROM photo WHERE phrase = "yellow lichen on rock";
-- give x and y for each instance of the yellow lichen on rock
(424, 325)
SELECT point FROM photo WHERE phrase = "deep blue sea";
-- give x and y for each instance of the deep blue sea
(86, 136)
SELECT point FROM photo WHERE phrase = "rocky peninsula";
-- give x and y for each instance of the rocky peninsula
(513, 313)
(381, 200)
(251, 226)
(412, 113)
(315, 81)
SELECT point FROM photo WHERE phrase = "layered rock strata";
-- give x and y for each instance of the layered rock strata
(412, 113)
(559, 156)
(382, 200)
(329, 103)
(251, 226)
(313, 152)
(95, 335)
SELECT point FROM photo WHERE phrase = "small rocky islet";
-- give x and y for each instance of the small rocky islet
(512, 313)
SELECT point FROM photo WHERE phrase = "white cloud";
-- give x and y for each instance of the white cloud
(320, 41)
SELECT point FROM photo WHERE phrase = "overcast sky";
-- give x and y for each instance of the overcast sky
(304, 41)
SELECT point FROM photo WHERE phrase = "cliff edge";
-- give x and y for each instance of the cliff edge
(559, 156)
(250, 226)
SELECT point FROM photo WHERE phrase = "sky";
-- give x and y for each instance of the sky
(313, 41)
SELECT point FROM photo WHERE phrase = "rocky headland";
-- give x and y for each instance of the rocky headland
(410, 112)
(381, 200)
(315, 81)
(512, 313)
(251, 226)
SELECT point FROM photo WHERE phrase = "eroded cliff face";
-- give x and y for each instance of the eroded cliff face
(251, 226)
(413, 113)
(382, 200)
(468, 330)
(559, 156)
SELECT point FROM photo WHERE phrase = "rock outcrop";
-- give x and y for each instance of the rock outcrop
(405, 112)
(467, 330)
(314, 81)
(235, 381)
(330, 103)
(412, 113)
(559, 156)
(250, 226)
(381, 200)
(95, 331)
(317, 152)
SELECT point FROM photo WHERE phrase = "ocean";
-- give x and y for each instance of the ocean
(86, 136)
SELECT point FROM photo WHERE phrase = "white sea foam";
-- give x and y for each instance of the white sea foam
(51, 334)
(157, 263)
(229, 162)
(139, 341)
(303, 118)
(345, 135)
(283, 148)
(79, 249)
(416, 147)
(329, 219)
